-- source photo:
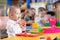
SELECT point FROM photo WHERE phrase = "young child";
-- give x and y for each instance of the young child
(13, 26)
(41, 17)
(29, 17)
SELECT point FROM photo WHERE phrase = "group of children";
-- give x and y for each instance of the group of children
(18, 21)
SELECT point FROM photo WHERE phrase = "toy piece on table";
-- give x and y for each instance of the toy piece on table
(52, 21)
(51, 30)
(35, 25)
(27, 34)
(39, 29)
(48, 38)
(47, 24)
(42, 38)
(21, 34)
(58, 38)
(57, 23)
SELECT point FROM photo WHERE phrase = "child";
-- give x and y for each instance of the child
(41, 17)
(29, 17)
(13, 27)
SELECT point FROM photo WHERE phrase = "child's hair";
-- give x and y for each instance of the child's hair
(41, 9)
(51, 13)
(11, 11)
(57, 2)
(26, 11)
(32, 8)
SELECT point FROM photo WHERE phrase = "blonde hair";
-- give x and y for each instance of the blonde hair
(11, 10)
(8, 10)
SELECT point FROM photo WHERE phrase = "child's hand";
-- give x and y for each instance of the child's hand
(22, 23)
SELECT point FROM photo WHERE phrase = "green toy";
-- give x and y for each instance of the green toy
(47, 24)
(39, 29)
(58, 38)
(58, 23)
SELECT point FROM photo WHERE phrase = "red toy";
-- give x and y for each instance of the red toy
(48, 38)
(52, 21)
(27, 34)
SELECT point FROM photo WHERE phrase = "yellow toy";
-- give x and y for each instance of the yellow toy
(35, 25)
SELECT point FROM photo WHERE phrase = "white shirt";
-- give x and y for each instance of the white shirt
(13, 28)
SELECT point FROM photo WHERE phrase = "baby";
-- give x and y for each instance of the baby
(13, 27)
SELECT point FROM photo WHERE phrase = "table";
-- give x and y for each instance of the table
(52, 35)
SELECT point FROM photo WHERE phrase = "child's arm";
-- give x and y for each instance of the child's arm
(17, 29)
(9, 28)
(12, 29)
(22, 24)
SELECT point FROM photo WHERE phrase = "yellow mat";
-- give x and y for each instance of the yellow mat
(52, 35)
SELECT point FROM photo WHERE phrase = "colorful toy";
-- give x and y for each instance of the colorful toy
(52, 21)
(48, 38)
(42, 38)
(58, 38)
(27, 34)
(47, 24)
(58, 23)
(35, 25)
(39, 29)
(53, 28)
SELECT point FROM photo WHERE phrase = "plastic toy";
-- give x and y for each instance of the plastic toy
(52, 22)
(48, 38)
(58, 38)
(39, 29)
(27, 34)
(35, 25)
(58, 23)
(47, 24)
(42, 38)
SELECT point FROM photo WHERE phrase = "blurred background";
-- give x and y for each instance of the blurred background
(5, 3)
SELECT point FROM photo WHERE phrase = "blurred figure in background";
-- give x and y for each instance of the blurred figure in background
(41, 18)
(29, 16)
